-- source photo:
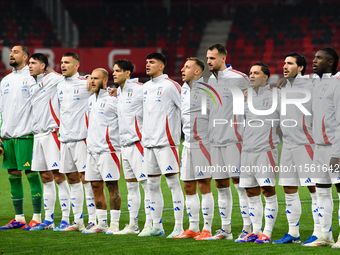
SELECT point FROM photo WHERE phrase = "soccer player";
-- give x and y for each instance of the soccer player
(259, 154)
(195, 152)
(46, 148)
(16, 132)
(161, 138)
(103, 158)
(73, 96)
(297, 150)
(130, 117)
(326, 123)
(226, 140)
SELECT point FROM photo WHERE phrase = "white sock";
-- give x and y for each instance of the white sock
(133, 201)
(64, 199)
(91, 208)
(37, 217)
(193, 209)
(225, 205)
(115, 215)
(20, 217)
(49, 200)
(77, 200)
(256, 213)
(243, 201)
(207, 210)
(325, 204)
(293, 213)
(148, 218)
(271, 209)
(315, 212)
(177, 199)
(156, 201)
(102, 217)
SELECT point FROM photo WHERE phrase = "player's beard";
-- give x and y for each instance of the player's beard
(14, 64)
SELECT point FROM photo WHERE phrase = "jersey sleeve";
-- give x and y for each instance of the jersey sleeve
(176, 94)
(243, 82)
(336, 143)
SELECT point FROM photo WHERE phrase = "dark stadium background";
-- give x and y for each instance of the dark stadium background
(100, 30)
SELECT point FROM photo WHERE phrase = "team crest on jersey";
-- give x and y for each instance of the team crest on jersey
(130, 92)
(159, 92)
(76, 93)
(40, 84)
(24, 85)
(7, 85)
(195, 96)
(265, 102)
(102, 105)
(185, 92)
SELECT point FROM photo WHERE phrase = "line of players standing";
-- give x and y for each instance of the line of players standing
(91, 129)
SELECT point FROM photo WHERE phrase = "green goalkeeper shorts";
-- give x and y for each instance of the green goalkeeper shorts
(18, 153)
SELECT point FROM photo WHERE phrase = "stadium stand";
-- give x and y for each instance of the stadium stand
(257, 36)
(19, 25)
(176, 33)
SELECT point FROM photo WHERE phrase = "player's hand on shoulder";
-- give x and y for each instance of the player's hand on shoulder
(88, 82)
(245, 94)
(282, 83)
(112, 92)
(49, 71)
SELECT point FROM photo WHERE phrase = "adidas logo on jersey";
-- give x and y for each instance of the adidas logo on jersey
(177, 209)
(72, 204)
(236, 171)
(287, 211)
(84, 166)
(108, 176)
(55, 164)
(308, 180)
(251, 214)
(320, 215)
(81, 216)
(169, 168)
(61, 92)
(201, 173)
(146, 92)
(63, 205)
(152, 209)
(27, 164)
(221, 213)
(189, 214)
(45, 205)
(243, 212)
(142, 176)
(91, 205)
(129, 205)
(267, 180)
(270, 216)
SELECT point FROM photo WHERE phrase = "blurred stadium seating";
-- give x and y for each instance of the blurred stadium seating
(23, 23)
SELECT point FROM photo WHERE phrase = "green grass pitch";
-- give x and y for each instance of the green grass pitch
(18, 241)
